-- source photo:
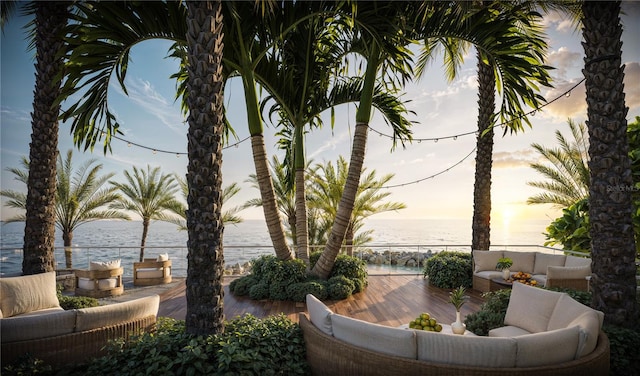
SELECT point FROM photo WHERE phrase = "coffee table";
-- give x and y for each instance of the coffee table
(446, 329)
(501, 284)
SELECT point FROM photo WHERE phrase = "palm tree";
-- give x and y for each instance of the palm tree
(148, 194)
(229, 216)
(39, 233)
(79, 198)
(567, 173)
(325, 191)
(610, 200)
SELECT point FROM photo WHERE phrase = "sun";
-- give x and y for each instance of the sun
(508, 213)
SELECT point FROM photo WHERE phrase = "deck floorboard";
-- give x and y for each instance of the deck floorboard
(390, 300)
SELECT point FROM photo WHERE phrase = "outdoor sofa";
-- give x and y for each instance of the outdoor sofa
(549, 270)
(563, 337)
(32, 321)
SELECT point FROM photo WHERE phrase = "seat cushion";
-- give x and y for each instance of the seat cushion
(522, 261)
(149, 273)
(486, 260)
(103, 284)
(547, 348)
(32, 326)
(530, 308)
(507, 331)
(374, 337)
(543, 260)
(19, 295)
(319, 314)
(466, 350)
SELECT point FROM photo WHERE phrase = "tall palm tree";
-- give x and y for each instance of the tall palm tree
(326, 188)
(148, 194)
(204, 291)
(610, 201)
(229, 216)
(80, 197)
(567, 173)
(39, 233)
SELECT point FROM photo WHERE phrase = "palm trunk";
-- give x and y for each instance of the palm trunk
(327, 259)
(610, 203)
(67, 238)
(348, 240)
(302, 224)
(269, 204)
(481, 224)
(204, 290)
(145, 231)
(39, 232)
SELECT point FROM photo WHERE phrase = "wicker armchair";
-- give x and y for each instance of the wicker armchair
(151, 272)
(99, 283)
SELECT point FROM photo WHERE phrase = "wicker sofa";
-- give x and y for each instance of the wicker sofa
(339, 345)
(548, 270)
(32, 321)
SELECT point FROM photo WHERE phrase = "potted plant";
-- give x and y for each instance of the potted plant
(504, 263)
(457, 297)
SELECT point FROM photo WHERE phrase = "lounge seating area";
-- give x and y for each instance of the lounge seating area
(559, 337)
(548, 270)
(32, 321)
(103, 279)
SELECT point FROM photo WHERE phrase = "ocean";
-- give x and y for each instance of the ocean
(107, 240)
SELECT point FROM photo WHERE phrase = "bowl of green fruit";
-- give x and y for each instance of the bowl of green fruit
(425, 322)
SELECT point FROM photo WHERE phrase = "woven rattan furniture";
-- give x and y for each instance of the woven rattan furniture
(328, 355)
(151, 272)
(101, 283)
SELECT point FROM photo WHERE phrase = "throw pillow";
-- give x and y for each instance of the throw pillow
(106, 265)
(163, 257)
(28, 293)
(486, 260)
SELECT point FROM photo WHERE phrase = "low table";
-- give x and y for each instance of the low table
(500, 283)
(446, 329)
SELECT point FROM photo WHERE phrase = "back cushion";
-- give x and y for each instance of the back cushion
(28, 293)
(530, 308)
(466, 350)
(568, 272)
(569, 309)
(106, 265)
(577, 261)
(486, 260)
(547, 348)
(374, 337)
(163, 257)
(117, 313)
(543, 260)
(522, 261)
(319, 314)
(589, 326)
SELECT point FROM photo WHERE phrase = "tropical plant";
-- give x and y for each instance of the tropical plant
(229, 216)
(567, 170)
(457, 297)
(147, 193)
(504, 263)
(80, 197)
(571, 229)
(610, 202)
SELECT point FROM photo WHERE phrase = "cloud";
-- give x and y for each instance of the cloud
(631, 87)
(558, 21)
(573, 105)
(563, 59)
(515, 159)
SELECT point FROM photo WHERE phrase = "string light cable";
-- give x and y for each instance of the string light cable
(177, 153)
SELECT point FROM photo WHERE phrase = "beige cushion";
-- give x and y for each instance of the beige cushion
(589, 330)
(466, 350)
(112, 314)
(149, 273)
(106, 265)
(568, 272)
(319, 314)
(28, 293)
(27, 327)
(547, 348)
(540, 278)
(567, 310)
(507, 331)
(486, 260)
(522, 261)
(530, 307)
(577, 261)
(543, 260)
(374, 337)
(163, 257)
(103, 284)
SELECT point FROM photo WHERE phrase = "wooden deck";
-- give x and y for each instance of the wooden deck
(390, 300)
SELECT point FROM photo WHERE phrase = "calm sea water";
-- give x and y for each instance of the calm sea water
(107, 240)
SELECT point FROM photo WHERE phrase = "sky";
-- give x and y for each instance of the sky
(433, 178)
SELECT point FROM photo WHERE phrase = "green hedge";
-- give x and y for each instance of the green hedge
(449, 270)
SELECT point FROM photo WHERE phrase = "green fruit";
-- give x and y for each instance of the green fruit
(438, 328)
(432, 322)
(425, 316)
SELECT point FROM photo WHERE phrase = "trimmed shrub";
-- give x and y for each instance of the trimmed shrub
(448, 270)
(259, 291)
(491, 314)
(278, 290)
(298, 291)
(352, 268)
(625, 358)
(240, 286)
(340, 287)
